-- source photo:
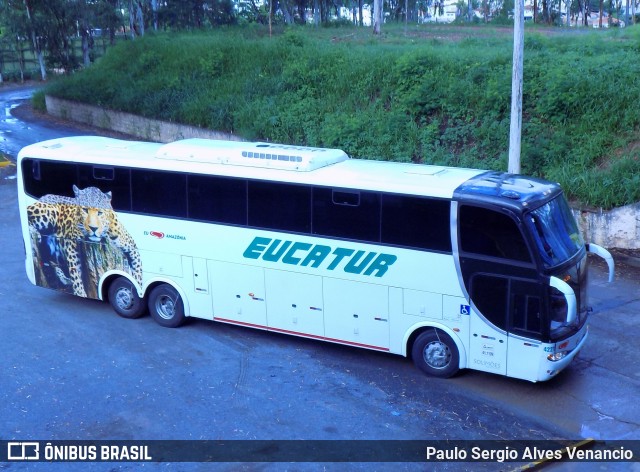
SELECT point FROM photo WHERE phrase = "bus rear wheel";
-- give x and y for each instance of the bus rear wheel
(124, 299)
(166, 307)
(435, 353)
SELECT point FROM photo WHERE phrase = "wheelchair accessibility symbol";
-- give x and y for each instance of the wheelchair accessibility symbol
(465, 309)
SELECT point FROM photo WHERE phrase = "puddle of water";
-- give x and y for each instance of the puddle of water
(7, 113)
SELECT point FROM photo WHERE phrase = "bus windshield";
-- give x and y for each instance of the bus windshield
(555, 231)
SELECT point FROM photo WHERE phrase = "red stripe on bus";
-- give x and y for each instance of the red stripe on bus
(304, 335)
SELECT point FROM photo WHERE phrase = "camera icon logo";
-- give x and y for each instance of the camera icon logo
(23, 451)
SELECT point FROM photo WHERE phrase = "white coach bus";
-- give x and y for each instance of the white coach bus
(456, 268)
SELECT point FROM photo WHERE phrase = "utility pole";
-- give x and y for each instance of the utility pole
(515, 135)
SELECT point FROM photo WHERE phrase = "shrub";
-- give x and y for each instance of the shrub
(399, 97)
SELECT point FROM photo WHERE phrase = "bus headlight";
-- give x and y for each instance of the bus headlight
(557, 356)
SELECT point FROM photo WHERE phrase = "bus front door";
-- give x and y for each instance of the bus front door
(488, 340)
(501, 280)
(525, 325)
(504, 332)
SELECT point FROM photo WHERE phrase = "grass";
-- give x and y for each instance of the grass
(428, 93)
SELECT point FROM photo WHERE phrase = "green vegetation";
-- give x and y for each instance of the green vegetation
(431, 95)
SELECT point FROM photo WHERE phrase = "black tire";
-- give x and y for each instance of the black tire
(166, 307)
(435, 353)
(124, 299)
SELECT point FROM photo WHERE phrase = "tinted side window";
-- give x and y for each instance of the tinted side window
(346, 214)
(416, 222)
(490, 233)
(108, 179)
(527, 316)
(490, 294)
(218, 199)
(279, 206)
(45, 177)
(159, 193)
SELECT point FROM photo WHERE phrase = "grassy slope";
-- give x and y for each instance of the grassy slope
(426, 94)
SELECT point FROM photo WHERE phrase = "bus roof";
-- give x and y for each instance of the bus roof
(264, 155)
(291, 164)
(516, 192)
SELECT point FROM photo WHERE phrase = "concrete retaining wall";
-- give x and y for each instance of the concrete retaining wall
(134, 125)
(618, 228)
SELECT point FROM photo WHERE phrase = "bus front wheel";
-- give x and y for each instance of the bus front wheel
(435, 353)
(124, 299)
(166, 307)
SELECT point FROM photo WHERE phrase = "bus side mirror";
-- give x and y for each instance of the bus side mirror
(606, 255)
(569, 295)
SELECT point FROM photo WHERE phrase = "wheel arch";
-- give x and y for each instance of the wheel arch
(412, 334)
(108, 277)
(162, 281)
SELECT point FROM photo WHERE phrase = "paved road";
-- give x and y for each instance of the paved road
(16, 133)
(72, 369)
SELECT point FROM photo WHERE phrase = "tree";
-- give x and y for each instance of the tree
(466, 8)
(83, 23)
(221, 12)
(59, 29)
(601, 12)
(136, 19)
(34, 39)
(107, 17)
(377, 16)
(154, 14)
(20, 19)
(189, 14)
(285, 8)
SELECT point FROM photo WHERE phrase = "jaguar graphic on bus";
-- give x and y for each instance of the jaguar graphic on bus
(455, 268)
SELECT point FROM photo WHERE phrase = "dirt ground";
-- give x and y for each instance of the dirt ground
(627, 263)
